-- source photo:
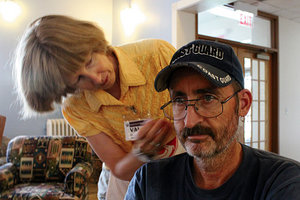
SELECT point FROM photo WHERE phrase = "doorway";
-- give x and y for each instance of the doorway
(257, 123)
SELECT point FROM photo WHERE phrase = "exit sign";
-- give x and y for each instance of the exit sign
(246, 19)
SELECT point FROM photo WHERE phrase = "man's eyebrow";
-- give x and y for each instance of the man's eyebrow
(178, 94)
(213, 90)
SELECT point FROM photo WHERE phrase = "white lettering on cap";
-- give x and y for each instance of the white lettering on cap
(201, 49)
(226, 79)
(223, 80)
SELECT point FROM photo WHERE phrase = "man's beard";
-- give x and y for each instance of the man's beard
(217, 142)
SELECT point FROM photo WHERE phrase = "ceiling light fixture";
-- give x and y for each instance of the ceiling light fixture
(131, 17)
(9, 10)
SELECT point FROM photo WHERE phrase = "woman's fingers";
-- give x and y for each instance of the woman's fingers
(152, 135)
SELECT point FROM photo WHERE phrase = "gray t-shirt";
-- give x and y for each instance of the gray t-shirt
(261, 175)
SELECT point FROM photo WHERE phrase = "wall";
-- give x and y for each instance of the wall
(183, 18)
(289, 92)
(158, 15)
(99, 11)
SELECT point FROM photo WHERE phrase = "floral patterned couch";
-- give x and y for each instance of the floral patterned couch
(46, 167)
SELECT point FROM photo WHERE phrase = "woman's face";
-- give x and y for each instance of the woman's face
(99, 72)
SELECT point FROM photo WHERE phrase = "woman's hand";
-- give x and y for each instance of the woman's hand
(151, 138)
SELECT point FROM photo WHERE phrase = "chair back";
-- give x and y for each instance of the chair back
(2, 125)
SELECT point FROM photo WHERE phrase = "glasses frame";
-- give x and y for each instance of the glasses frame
(194, 105)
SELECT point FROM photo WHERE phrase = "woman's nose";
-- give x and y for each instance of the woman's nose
(96, 78)
(93, 76)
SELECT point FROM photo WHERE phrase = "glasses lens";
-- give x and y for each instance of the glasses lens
(210, 108)
(175, 111)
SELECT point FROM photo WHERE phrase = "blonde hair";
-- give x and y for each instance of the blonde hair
(52, 47)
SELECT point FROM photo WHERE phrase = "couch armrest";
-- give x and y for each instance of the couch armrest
(77, 179)
(8, 173)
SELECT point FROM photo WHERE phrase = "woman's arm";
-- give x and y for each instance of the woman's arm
(122, 164)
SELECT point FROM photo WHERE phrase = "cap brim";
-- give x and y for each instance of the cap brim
(211, 73)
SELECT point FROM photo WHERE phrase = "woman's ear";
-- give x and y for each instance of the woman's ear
(245, 101)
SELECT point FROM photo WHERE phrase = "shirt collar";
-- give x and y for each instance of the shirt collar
(130, 76)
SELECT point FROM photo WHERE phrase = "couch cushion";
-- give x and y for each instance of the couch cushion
(46, 158)
(53, 191)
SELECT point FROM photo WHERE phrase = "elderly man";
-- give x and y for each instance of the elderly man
(209, 102)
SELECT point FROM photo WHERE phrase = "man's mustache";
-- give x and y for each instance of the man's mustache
(197, 130)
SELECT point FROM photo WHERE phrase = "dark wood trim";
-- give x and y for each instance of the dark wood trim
(2, 125)
(266, 15)
(196, 26)
(274, 106)
(274, 76)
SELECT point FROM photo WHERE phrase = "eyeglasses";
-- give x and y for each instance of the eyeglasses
(208, 106)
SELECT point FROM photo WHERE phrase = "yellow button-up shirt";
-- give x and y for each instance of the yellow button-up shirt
(92, 112)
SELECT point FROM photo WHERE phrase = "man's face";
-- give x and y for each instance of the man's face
(204, 137)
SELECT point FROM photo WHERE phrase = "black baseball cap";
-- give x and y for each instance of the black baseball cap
(214, 60)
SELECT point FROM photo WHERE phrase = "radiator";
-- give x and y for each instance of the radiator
(59, 127)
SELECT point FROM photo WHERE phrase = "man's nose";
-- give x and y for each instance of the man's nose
(192, 117)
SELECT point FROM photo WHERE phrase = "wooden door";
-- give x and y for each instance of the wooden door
(257, 124)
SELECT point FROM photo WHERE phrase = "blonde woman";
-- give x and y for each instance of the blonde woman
(102, 87)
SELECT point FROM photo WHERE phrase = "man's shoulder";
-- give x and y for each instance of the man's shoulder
(278, 175)
(272, 165)
(266, 156)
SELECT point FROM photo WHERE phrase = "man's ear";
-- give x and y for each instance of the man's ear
(245, 101)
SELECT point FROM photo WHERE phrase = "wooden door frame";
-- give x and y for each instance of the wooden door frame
(273, 75)
(2, 125)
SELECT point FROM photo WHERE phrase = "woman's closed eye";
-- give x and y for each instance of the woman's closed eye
(80, 77)
(74, 85)
(90, 61)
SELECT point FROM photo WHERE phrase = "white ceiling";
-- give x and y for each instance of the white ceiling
(289, 9)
